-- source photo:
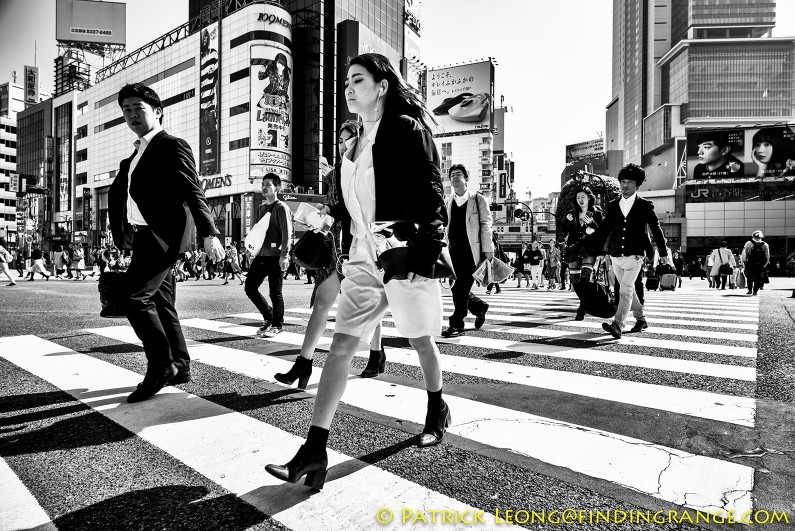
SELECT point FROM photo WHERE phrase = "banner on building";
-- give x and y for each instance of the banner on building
(31, 84)
(461, 98)
(86, 21)
(752, 153)
(13, 185)
(585, 150)
(209, 124)
(271, 112)
(87, 209)
(740, 191)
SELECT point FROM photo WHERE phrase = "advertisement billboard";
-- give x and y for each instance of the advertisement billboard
(461, 98)
(31, 84)
(585, 150)
(87, 21)
(271, 112)
(752, 153)
(208, 101)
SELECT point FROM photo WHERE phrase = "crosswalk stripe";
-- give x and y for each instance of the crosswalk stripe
(707, 348)
(227, 447)
(734, 372)
(495, 314)
(652, 296)
(654, 328)
(19, 509)
(661, 472)
(724, 408)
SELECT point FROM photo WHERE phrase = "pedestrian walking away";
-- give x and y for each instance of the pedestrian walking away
(723, 265)
(469, 237)
(582, 248)
(389, 173)
(624, 231)
(5, 260)
(37, 264)
(329, 278)
(157, 227)
(756, 257)
(273, 258)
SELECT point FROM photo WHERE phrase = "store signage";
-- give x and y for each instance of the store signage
(208, 100)
(87, 208)
(31, 84)
(272, 18)
(216, 182)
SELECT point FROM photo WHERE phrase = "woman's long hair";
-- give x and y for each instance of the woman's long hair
(399, 97)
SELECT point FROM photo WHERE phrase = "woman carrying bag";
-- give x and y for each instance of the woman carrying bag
(581, 252)
(390, 173)
(723, 265)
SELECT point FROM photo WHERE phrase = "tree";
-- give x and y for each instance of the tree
(604, 194)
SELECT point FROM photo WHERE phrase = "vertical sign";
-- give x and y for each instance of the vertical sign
(247, 200)
(13, 185)
(87, 209)
(271, 112)
(208, 100)
(503, 183)
(31, 84)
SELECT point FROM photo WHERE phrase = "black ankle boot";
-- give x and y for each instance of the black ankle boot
(311, 460)
(436, 420)
(375, 365)
(301, 371)
(306, 462)
(580, 314)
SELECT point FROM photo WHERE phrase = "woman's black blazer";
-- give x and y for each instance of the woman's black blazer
(408, 189)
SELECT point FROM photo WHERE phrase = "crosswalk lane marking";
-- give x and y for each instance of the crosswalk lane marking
(496, 313)
(227, 447)
(651, 298)
(717, 370)
(19, 509)
(666, 473)
(724, 408)
(707, 348)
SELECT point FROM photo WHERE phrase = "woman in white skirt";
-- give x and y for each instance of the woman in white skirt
(390, 173)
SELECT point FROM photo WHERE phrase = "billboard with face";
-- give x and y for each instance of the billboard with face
(271, 112)
(461, 98)
(766, 152)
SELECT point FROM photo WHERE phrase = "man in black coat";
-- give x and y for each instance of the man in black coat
(153, 203)
(624, 229)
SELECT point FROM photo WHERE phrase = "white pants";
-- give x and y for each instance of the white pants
(626, 270)
(4, 271)
(535, 272)
(416, 307)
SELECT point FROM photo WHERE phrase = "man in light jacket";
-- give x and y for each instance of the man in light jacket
(469, 236)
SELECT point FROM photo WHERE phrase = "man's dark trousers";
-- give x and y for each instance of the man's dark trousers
(753, 277)
(267, 267)
(150, 307)
(463, 299)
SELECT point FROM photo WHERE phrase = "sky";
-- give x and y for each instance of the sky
(554, 62)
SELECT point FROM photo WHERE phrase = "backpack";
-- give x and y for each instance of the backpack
(757, 255)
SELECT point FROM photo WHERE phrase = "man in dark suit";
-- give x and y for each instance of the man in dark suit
(153, 203)
(624, 229)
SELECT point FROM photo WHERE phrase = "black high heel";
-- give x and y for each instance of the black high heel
(375, 364)
(435, 423)
(301, 371)
(305, 463)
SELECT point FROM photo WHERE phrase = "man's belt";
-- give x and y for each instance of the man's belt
(139, 228)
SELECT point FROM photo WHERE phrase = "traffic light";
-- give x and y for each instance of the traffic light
(521, 214)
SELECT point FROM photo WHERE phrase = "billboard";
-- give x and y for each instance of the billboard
(271, 112)
(585, 150)
(752, 153)
(87, 21)
(208, 101)
(31, 84)
(461, 98)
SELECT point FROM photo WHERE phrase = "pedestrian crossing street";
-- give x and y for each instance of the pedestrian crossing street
(696, 363)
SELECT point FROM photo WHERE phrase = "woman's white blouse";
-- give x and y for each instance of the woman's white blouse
(358, 187)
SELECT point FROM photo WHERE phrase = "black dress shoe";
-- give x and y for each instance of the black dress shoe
(640, 326)
(453, 331)
(152, 384)
(481, 318)
(613, 329)
(375, 365)
(182, 377)
(313, 466)
(435, 424)
(580, 315)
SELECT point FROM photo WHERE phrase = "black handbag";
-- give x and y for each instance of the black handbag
(311, 251)
(725, 268)
(597, 297)
(394, 263)
(112, 294)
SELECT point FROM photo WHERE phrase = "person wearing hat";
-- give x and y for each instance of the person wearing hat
(624, 231)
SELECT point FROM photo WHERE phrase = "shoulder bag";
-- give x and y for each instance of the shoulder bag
(311, 251)
(725, 267)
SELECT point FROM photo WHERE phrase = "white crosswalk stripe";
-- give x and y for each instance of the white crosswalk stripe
(715, 338)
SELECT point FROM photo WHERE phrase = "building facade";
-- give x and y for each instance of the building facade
(683, 67)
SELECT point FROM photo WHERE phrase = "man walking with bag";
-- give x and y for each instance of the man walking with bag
(469, 237)
(624, 229)
(273, 257)
(756, 256)
(158, 227)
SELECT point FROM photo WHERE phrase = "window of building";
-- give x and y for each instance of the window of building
(239, 144)
(81, 155)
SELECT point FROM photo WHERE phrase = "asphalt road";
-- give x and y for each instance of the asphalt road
(89, 469)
